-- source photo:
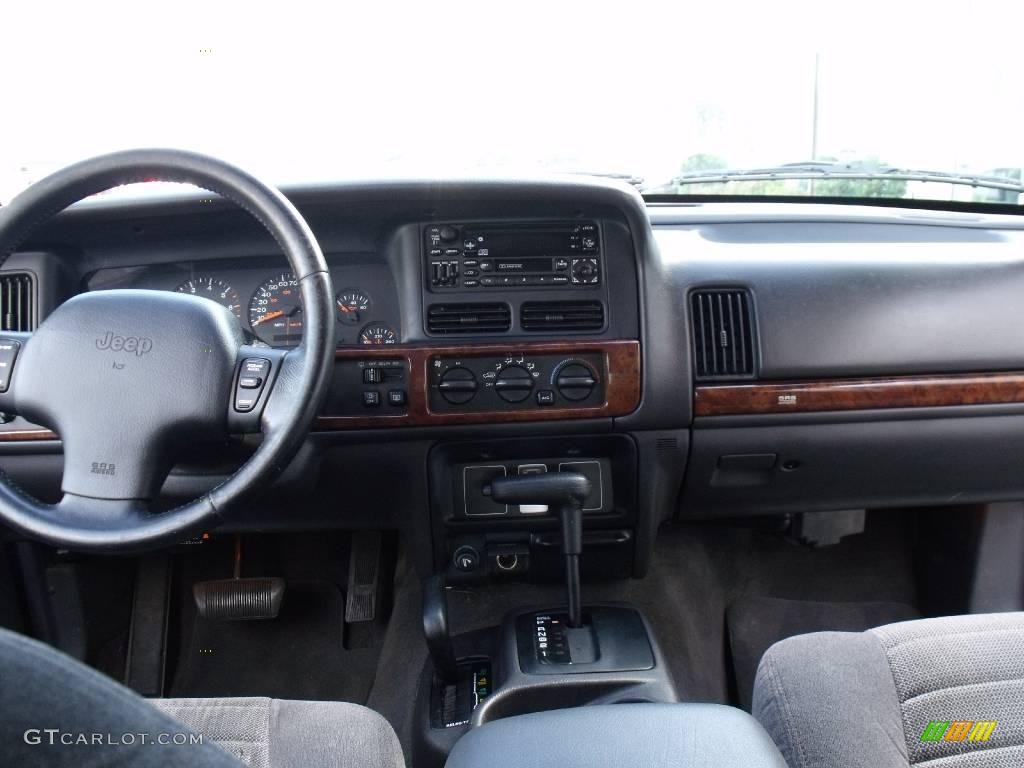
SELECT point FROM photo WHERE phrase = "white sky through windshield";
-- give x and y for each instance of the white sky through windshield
(297, 91)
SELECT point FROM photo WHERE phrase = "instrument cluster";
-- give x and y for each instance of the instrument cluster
(268, 303)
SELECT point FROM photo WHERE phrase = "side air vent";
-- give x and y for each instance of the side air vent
(468, 318)
(17, 300)
(723, 334)
(562, 316)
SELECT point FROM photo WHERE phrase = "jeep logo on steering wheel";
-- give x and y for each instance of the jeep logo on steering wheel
(140, 345)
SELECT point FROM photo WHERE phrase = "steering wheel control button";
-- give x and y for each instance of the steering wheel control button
(371, 398)
(8, 353)
(245, 403)
(256, 366)
(251, 379)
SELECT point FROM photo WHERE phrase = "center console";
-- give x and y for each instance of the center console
(647, 735)
(539, 509)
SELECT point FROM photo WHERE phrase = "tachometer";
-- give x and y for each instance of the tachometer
(275, 311)
(378, 333)
(215, 289)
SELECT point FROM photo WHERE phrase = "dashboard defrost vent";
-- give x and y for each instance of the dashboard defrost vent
(723, 334)
(17, 300)
(562, 316)
(468, 318)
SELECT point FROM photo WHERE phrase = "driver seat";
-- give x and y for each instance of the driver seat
(55, 711)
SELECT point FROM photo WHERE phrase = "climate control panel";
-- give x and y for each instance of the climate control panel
(516, 381)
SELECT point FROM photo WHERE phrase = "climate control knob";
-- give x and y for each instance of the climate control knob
(457, 385)
(514, 384)
(575, 381)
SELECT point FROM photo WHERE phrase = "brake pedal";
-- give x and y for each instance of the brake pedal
(238, 599)
(363, 575)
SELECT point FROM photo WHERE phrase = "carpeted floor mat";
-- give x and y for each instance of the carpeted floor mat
(298, 655)
(756, 623)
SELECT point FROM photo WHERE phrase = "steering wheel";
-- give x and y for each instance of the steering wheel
(128, 377)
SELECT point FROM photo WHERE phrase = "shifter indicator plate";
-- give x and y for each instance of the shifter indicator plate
(550, 639)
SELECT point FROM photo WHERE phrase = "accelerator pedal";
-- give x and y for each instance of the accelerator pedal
(363, 577)
(238, 599)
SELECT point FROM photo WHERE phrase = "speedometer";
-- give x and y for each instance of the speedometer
(275, 311)
(215, 289)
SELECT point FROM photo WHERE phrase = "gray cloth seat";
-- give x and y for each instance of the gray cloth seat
(277, 733)
(921, 693)
(55, 711)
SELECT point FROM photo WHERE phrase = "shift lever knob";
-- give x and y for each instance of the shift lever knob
(552, 488)
(566, 491)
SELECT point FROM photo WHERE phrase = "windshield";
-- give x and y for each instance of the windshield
(651, 94)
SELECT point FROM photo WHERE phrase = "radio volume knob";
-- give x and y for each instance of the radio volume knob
(457, 385)
(448, 234)
(514, 384)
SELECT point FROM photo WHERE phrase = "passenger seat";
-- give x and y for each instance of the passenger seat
(936, 693)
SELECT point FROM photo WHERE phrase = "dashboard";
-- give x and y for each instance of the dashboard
(716, 359)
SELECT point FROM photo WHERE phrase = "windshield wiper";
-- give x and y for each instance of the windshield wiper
(630, 178)
(830, 171)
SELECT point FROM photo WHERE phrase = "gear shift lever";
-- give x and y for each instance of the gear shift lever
(566, 492)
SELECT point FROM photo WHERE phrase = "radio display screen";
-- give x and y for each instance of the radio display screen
(522, 265)
(523, 243)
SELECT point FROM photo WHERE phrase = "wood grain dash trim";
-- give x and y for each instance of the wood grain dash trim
(26, 435)
(622, 388)
(859, 394)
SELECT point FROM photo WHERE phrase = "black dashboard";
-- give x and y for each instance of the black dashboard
(711, 359)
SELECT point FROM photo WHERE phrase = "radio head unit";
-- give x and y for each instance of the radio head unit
(535, 255)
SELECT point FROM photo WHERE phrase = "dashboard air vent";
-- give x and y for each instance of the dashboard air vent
(723, 334)
(562, 316)
(468, 318)
(17, 297)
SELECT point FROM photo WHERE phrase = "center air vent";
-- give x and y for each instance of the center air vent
(16, 303)
(468, 318)
(723, 334)
(562, 316)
